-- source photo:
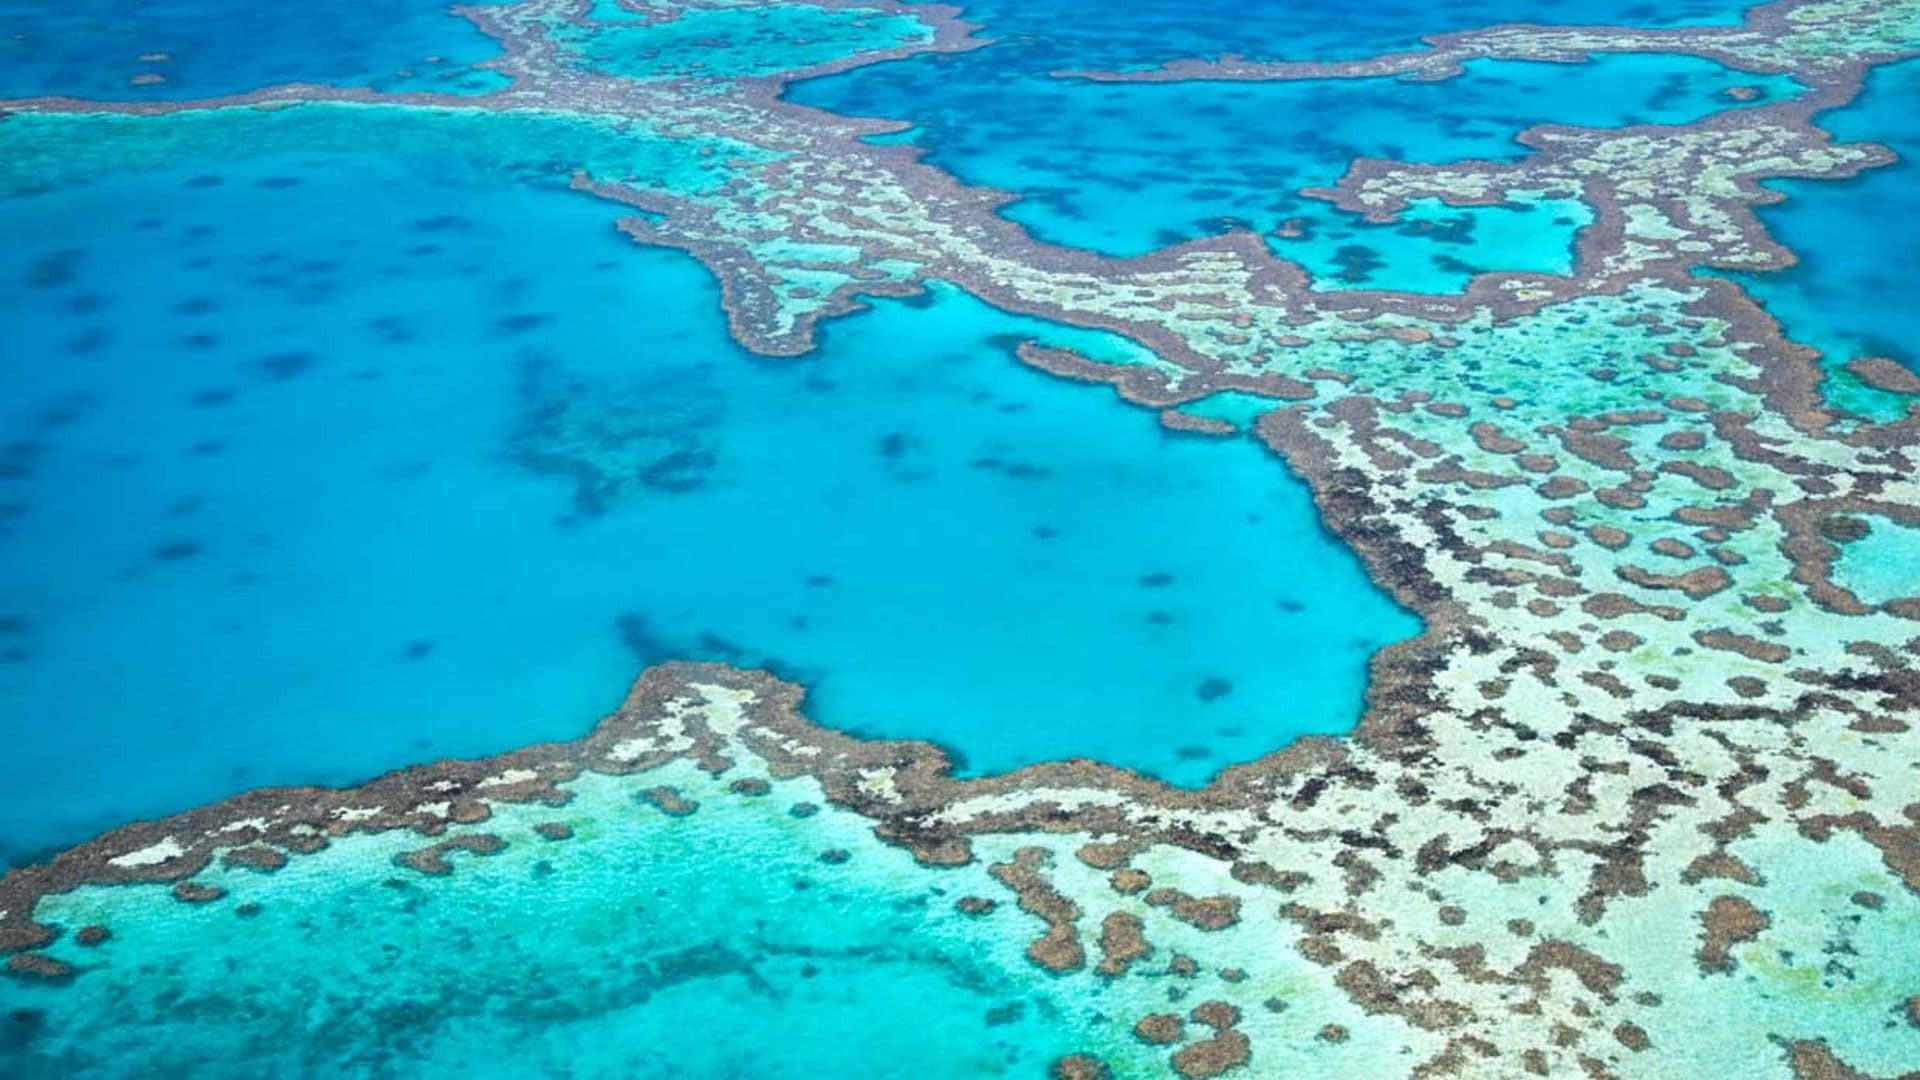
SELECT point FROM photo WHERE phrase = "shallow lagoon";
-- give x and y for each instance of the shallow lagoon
(1146, 33)
(289, 511)
(1883, 565)
(1127, 168)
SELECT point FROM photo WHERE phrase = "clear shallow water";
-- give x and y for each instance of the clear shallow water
(429, 470)
(758, 936)
(1126, 169)
(1851, 296)
(1882, 565)
(111, 49)
(715, 945)
(1436, 248)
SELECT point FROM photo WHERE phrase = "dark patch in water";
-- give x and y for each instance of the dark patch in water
(510, 325)
(1357, 263)
(85, 304)
(1213, 688)
(1291, 607)
(418, 650)
(678, 472)
(1157, 580)
(1009, 1013)
(22, 1027)
(714, 645)
(204, 182)
(647, 647)
(1013, 470)
(54, 269)
(286, 365)
(391, 329)
(1192, 753)
(1457, 230)
(1159, 618)
(176, 550)
(442, 223)
(213, 399)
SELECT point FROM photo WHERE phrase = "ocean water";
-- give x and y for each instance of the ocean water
(1146, 33)
(1848, 296)
(735, 42)
(171, 50)
(319, 464)
(1128, 168)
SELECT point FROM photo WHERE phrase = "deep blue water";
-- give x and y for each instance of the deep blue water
(1126, 169)
(1850, 295)
(308, 480)
(206, 48)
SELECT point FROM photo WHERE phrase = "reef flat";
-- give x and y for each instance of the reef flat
(1641, 799)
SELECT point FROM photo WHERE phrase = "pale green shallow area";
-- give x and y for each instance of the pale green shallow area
(1882, 565)
(636, 949)
(711, 945)
(1827, 967)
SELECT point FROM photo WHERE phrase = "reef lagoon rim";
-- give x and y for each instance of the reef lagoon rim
(1126, 168)
(311, 521)
(1648, 772)
(701, 866)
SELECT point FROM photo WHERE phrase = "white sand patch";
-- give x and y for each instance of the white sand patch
(151, 855)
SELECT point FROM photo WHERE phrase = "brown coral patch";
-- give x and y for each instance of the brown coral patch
(1727, 921)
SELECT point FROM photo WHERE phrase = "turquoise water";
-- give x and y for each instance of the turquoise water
(97, 49)
(289, 511)
(1146, 33)
(1882, 565)
(1436, 248)
(737, 42)
(715, 945)
(1850, 295)
(1125, 169)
